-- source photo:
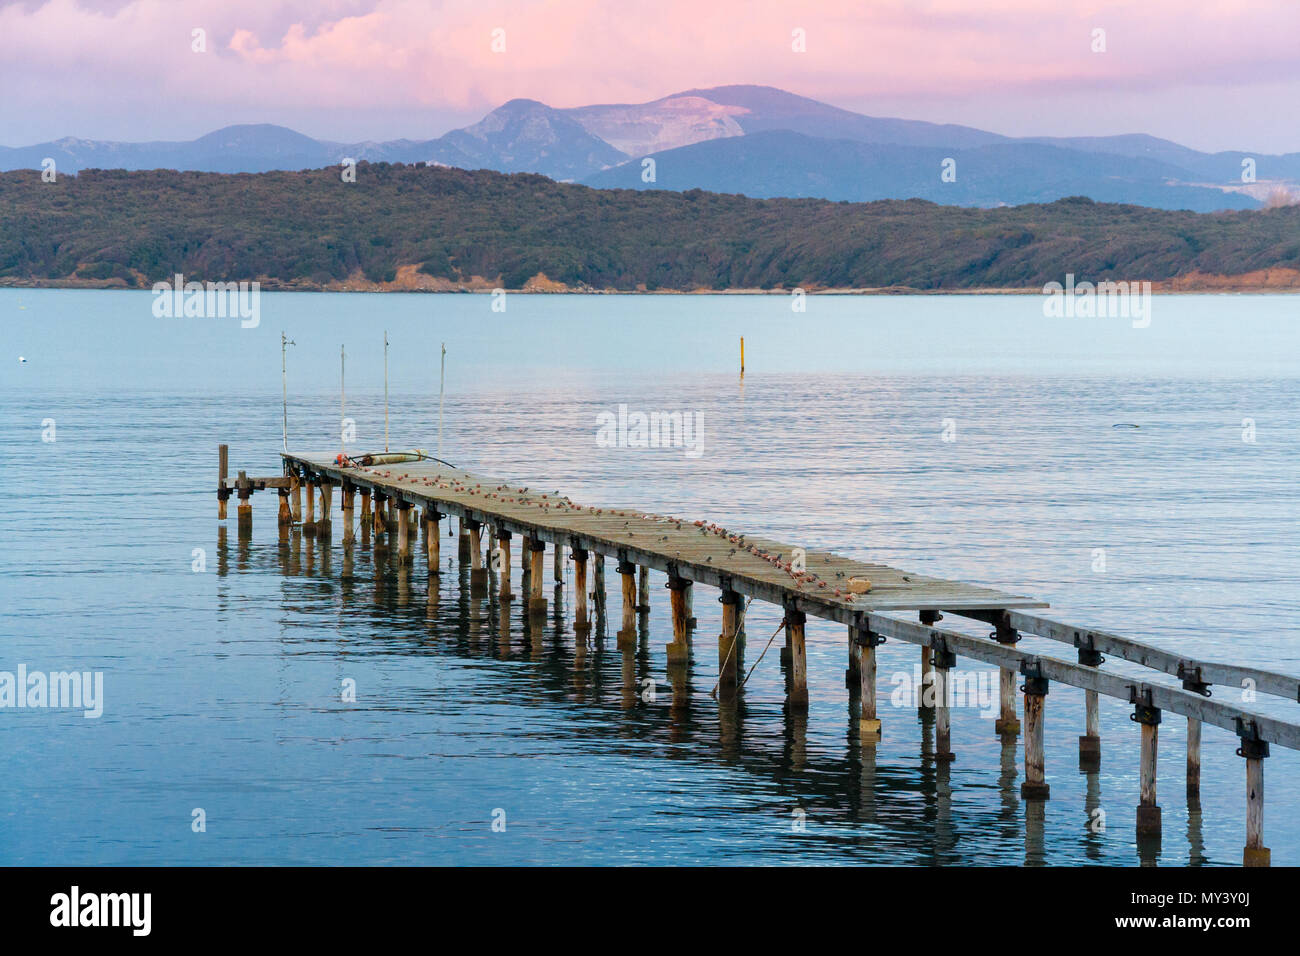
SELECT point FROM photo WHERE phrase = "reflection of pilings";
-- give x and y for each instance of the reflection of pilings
(1035, 845)
(1096, 815)
(867, 782)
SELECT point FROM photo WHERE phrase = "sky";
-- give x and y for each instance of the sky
(1206, 73)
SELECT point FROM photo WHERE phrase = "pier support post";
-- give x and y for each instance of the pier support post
(869, 728)
(478, 575)
(244, 512)
(797, 699)
(326, 497)
(223, 493)
(285, 516)
(309, 525)
(536, 601)
(1090, 742)
(1193, 757)
(643, 590)
(295, 497)
(679, 651)
(558, 570)
(380, 525)
(366, 521)
(1254, 750)
(403, 532)
(433, 541)
(728, 640)
(926, 694)
(1148, 811)
(462, 543)
(580, 623)
(627, 577)
(598, 586)
(1035, 786)
(1006, 724)
(349, 510)
(502, 564)
(944, 661)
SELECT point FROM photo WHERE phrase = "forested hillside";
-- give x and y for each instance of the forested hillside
(309, 229)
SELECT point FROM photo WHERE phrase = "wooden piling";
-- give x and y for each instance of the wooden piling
(537, 601)
(1254, 750)
(797, 698)
(326, 497)
(309, 525)
(598, 586)
(1035, 786)
(1148, 811)
(1193, 757)
(869, 729)
(223, 471)
(503, 564)
(285, 516)
(643, 590)
(580, 623)
(679, 651)
(462, 543)
(944, 661)
(349, 494)
(729, 640)
(244, 513)
(432, 541)
(925, 697)
(478, 575)
(403, 532)
(627, 576)
(1006, 724)
(558, 570)
(1090, 742)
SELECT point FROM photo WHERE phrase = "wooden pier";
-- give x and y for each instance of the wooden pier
(866, 598)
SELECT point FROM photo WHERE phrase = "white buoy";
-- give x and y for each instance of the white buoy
(22, 360)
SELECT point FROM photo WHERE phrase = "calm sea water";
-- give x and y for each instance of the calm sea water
(223, 687)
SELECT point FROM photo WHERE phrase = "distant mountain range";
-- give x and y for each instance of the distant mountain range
(755, 140)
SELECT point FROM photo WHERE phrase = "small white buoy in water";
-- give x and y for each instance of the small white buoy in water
(22, 360)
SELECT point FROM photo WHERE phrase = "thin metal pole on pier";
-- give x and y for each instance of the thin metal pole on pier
(385, 391)
(284, 385)
(343, 414)
(442, 383)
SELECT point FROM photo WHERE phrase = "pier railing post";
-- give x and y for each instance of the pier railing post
(1254, 751)
(944, 661)
(1148, 811)
(797, 699)
(679, 651)
(1006, 724)
(728, 640)
(869, 728)
(1035, 786)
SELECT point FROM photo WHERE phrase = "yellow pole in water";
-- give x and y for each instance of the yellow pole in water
(742, 355)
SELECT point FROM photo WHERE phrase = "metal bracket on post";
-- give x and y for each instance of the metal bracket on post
(1251, 747)
(1003, 632)
(1089, 656)
(1144, 712)
(1192, 679)
(536, 544)
(941, 655)
(930, 617)
(864, 636)
(1036, 683)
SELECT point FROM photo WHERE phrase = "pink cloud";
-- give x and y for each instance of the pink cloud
(415, 55)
